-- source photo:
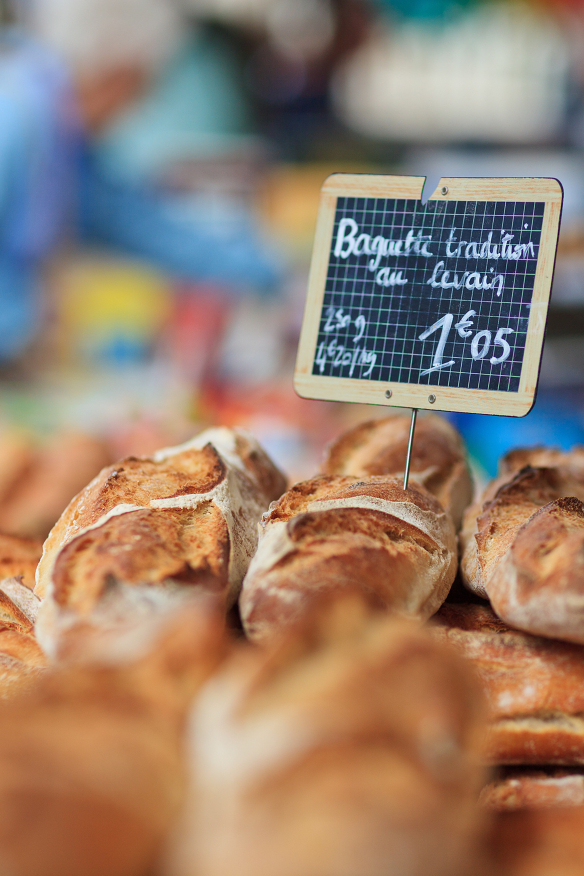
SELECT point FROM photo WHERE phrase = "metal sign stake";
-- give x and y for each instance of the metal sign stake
(410, 444)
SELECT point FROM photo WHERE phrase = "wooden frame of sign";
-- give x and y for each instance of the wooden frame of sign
(436, 306)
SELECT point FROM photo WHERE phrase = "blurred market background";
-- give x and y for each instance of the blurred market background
(160, 164)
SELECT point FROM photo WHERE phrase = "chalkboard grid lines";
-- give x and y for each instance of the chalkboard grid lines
(396, 316)
(441, 319)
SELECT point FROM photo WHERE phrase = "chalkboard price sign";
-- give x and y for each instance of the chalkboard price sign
(438, 305)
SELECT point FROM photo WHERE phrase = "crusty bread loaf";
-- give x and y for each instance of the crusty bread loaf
(349, 750)
(333, 532)
(534, 686)
(22, 596)
(57, 470)
(491, 523)
(91, 765)
(544, 457)
(21, 658)
(520, 788)
(564, 477)
(379, 447)
(19, 558)
(539, 584)
(525, 552)
(16, 461)
(186, 518)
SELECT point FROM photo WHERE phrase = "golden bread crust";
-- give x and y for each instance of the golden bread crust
(348, 748)
(332, 533)
(525, 551)
(569, 481)
(534, 686)
(187, 546)
(322, 487)
(19, 557)
(134, 481)
(512, 505)
(16, 461)
(270, 480)
(379, 447)
(518, 788)
(544, 457)
(539, 585)
(187, 517)
(55, 473)
(21, 658)
(95, 753)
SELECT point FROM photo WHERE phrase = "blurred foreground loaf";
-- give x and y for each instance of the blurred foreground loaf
(546, 842)
(523, 544)
(19, 558)
(570, 461)
(534, 687)
(349, 750)
(379, 447)
(37, 480)
(329, 533)
(91, 763)
(527, 788)
(185, 519)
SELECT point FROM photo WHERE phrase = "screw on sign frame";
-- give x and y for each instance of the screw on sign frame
(438, 305)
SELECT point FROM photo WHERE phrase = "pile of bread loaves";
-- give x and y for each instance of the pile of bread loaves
(211, 675)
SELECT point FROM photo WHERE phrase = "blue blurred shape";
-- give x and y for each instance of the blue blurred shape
(556, 420)
(197, 108)
(38, 139)
(149, 224)
(429, 9)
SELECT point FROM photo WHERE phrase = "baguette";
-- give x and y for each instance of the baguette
(19, 558)
(91, 765)
(534, 687)
(185, 519)
(564, 476)
(57, 471)
(519, 788)
(379, 447)
(348, 750)
(525, 552)
(571, 461)
(21, 658)
(329, 533)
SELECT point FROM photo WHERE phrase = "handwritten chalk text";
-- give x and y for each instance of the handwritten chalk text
(470, 279)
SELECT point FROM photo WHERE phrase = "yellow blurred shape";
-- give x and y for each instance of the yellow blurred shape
(289, 200)
(103, 295)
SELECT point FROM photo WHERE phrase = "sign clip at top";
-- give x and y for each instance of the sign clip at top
(441, 305)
